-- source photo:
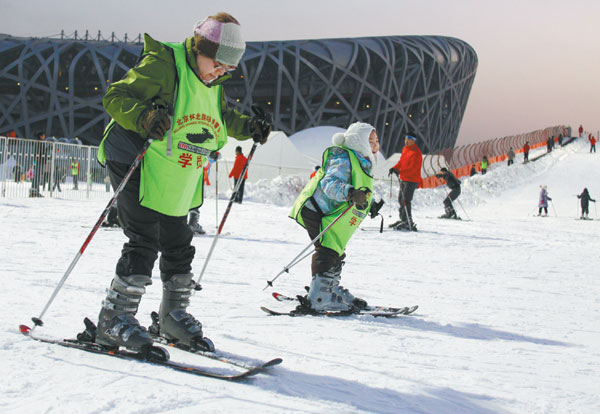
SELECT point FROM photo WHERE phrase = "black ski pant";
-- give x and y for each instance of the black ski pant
(149, 232)
(543, 208)
(324, 257)
(405, 196)
(239, 197)
(452, 195)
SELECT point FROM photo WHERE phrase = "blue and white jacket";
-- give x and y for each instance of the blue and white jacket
(333, 188)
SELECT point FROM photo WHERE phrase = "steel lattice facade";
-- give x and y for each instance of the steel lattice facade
(396, 83)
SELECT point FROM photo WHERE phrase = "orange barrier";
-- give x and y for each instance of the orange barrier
(459, 160)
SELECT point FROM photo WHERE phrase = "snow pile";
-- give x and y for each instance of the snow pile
(283, 190)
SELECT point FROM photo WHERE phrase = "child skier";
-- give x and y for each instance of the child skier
(585, 202)
(543, 204)
(343, 181)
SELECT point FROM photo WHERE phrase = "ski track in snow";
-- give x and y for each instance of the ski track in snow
(508, 317)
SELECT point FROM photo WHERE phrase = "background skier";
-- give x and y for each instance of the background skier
(174, 92)
(585, 203)
(236, 173)
(408, 169)
(543, 204)
(343, 179)
(454, 186)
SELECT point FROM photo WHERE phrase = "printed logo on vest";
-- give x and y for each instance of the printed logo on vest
(184, 146)
(358, 213)
(200, 138)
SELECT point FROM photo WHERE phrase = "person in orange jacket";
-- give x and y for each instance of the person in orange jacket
(317, 167)
(592, 144)
(526, 148)
(408, 169)
(236, 172)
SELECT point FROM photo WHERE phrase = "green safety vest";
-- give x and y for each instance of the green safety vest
(172, 185)
(340, 233)
(74, 168)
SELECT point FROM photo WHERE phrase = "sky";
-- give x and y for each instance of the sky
(538, 60)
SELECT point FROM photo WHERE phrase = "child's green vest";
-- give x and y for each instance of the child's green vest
(340, 233)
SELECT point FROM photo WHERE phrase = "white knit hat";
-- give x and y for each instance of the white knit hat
(356, 138)
(222, 42)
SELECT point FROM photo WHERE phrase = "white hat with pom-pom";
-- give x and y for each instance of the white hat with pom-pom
(356, 138)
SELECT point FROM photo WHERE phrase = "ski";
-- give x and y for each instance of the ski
(210, 351)
(369, 310)
(375, 313)
(154, 355)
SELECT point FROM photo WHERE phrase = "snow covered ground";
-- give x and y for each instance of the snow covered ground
(508, 317)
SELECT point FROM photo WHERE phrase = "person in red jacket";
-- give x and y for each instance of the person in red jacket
(315, 171)
(592, 144)
(236, 172)
(526, 152)
(408, 169)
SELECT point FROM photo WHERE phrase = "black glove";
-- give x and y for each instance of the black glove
(156, 123)
(260, 124)
(358, 197)
(375, 207)
(392, 171)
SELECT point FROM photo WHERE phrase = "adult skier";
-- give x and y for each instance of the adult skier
(511, 156)
(454, 186)
(585, 203)
(343, 181)
(408, 169)
(526, 149)
(236, 173)
(544, 197)
(173, 96)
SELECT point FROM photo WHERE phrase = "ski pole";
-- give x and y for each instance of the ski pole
(217, 193)
(551, 202)
(463, 209)
(390, 196)
(226, 214)
(533, 210)
(38, 321)
(295, 260)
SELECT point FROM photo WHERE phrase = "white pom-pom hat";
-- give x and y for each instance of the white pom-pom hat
(356, 138)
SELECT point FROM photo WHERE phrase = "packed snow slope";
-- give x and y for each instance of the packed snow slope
(508, 318)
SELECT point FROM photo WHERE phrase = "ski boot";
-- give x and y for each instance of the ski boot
(394, 224)
(193, 223)
(176, 324)
(326, 294)
(344, 293)
(405, 226)
(117, 325)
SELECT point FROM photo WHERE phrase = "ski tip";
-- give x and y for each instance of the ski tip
(24, 329)
(276, 295)
(273, 362)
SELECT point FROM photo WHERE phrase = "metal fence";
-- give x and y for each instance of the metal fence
(461, 159)
(31, 168)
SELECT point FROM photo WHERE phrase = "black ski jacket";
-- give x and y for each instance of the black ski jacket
(450, 178)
